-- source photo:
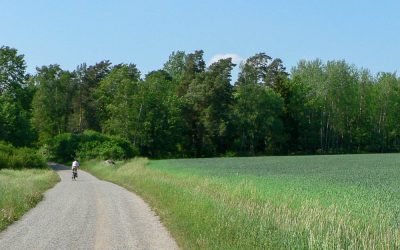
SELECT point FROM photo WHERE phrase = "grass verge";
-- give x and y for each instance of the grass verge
(321, 202)
(20, 190)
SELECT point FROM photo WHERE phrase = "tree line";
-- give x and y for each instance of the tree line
(189, 109)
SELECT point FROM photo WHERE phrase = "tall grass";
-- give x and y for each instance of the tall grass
(21, 190)
(315, 202)
(18, 158)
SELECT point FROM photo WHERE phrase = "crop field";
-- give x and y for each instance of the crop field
(300, 202)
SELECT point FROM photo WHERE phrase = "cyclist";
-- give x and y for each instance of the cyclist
(75, 166)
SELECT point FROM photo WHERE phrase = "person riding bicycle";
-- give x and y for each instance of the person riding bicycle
(75, 166)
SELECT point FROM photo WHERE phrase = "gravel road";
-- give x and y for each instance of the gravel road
(87, 214)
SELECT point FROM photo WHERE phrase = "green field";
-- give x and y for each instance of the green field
(301, 202)
(21, 190)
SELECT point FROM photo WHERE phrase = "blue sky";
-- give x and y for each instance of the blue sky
(70, 32)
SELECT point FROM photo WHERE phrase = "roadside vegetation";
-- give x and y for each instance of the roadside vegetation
(24, 177)
(87, 145)
(17, 158)
(22, 189)
(297, 202)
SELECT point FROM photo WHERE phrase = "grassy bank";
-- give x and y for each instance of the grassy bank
(301, 202)
(21, 190)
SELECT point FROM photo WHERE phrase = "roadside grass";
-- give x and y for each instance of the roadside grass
(21, 190)
(296, 202)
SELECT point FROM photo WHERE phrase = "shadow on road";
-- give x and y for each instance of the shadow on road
(57, 166)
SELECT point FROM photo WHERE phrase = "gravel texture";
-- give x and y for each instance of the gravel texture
(87, 214)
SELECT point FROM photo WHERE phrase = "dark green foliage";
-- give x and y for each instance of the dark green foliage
(209, 103)
(194, 65)
(118, 104)
(12, 72)
(27, 158)
(159, 122)
(259, 126)
(15, 99)
(96, 145)
(90, 145)
(190, 109)
(51, 103)
(259, 106)
(85, 111)
(15, 126)
(64, 146)
(17, 158)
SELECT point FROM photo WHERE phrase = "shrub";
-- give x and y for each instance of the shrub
(110, 150)
(90, 145)
(88, 150)
(27, 158)
(3, 159)
(64, 146)
(230, 154)
(5, 147)
(17, 158)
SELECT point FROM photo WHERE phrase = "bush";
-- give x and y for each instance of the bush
(230, 154)
(88, 150)
(90, 145)
(17, 158)
(6, 148)
(64, 146)
(110, 150)
(4, 159)
(27, 158)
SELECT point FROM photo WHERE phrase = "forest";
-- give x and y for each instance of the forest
(189, 109)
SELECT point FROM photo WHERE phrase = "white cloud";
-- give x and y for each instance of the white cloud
(235, 58)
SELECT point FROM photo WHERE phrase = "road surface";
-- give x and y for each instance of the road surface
(87, 214)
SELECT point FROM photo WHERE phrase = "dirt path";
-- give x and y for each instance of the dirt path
(87, 214)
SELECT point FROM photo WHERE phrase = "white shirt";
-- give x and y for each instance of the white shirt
(75, 164)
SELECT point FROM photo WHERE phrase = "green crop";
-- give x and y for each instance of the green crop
(297, 202)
